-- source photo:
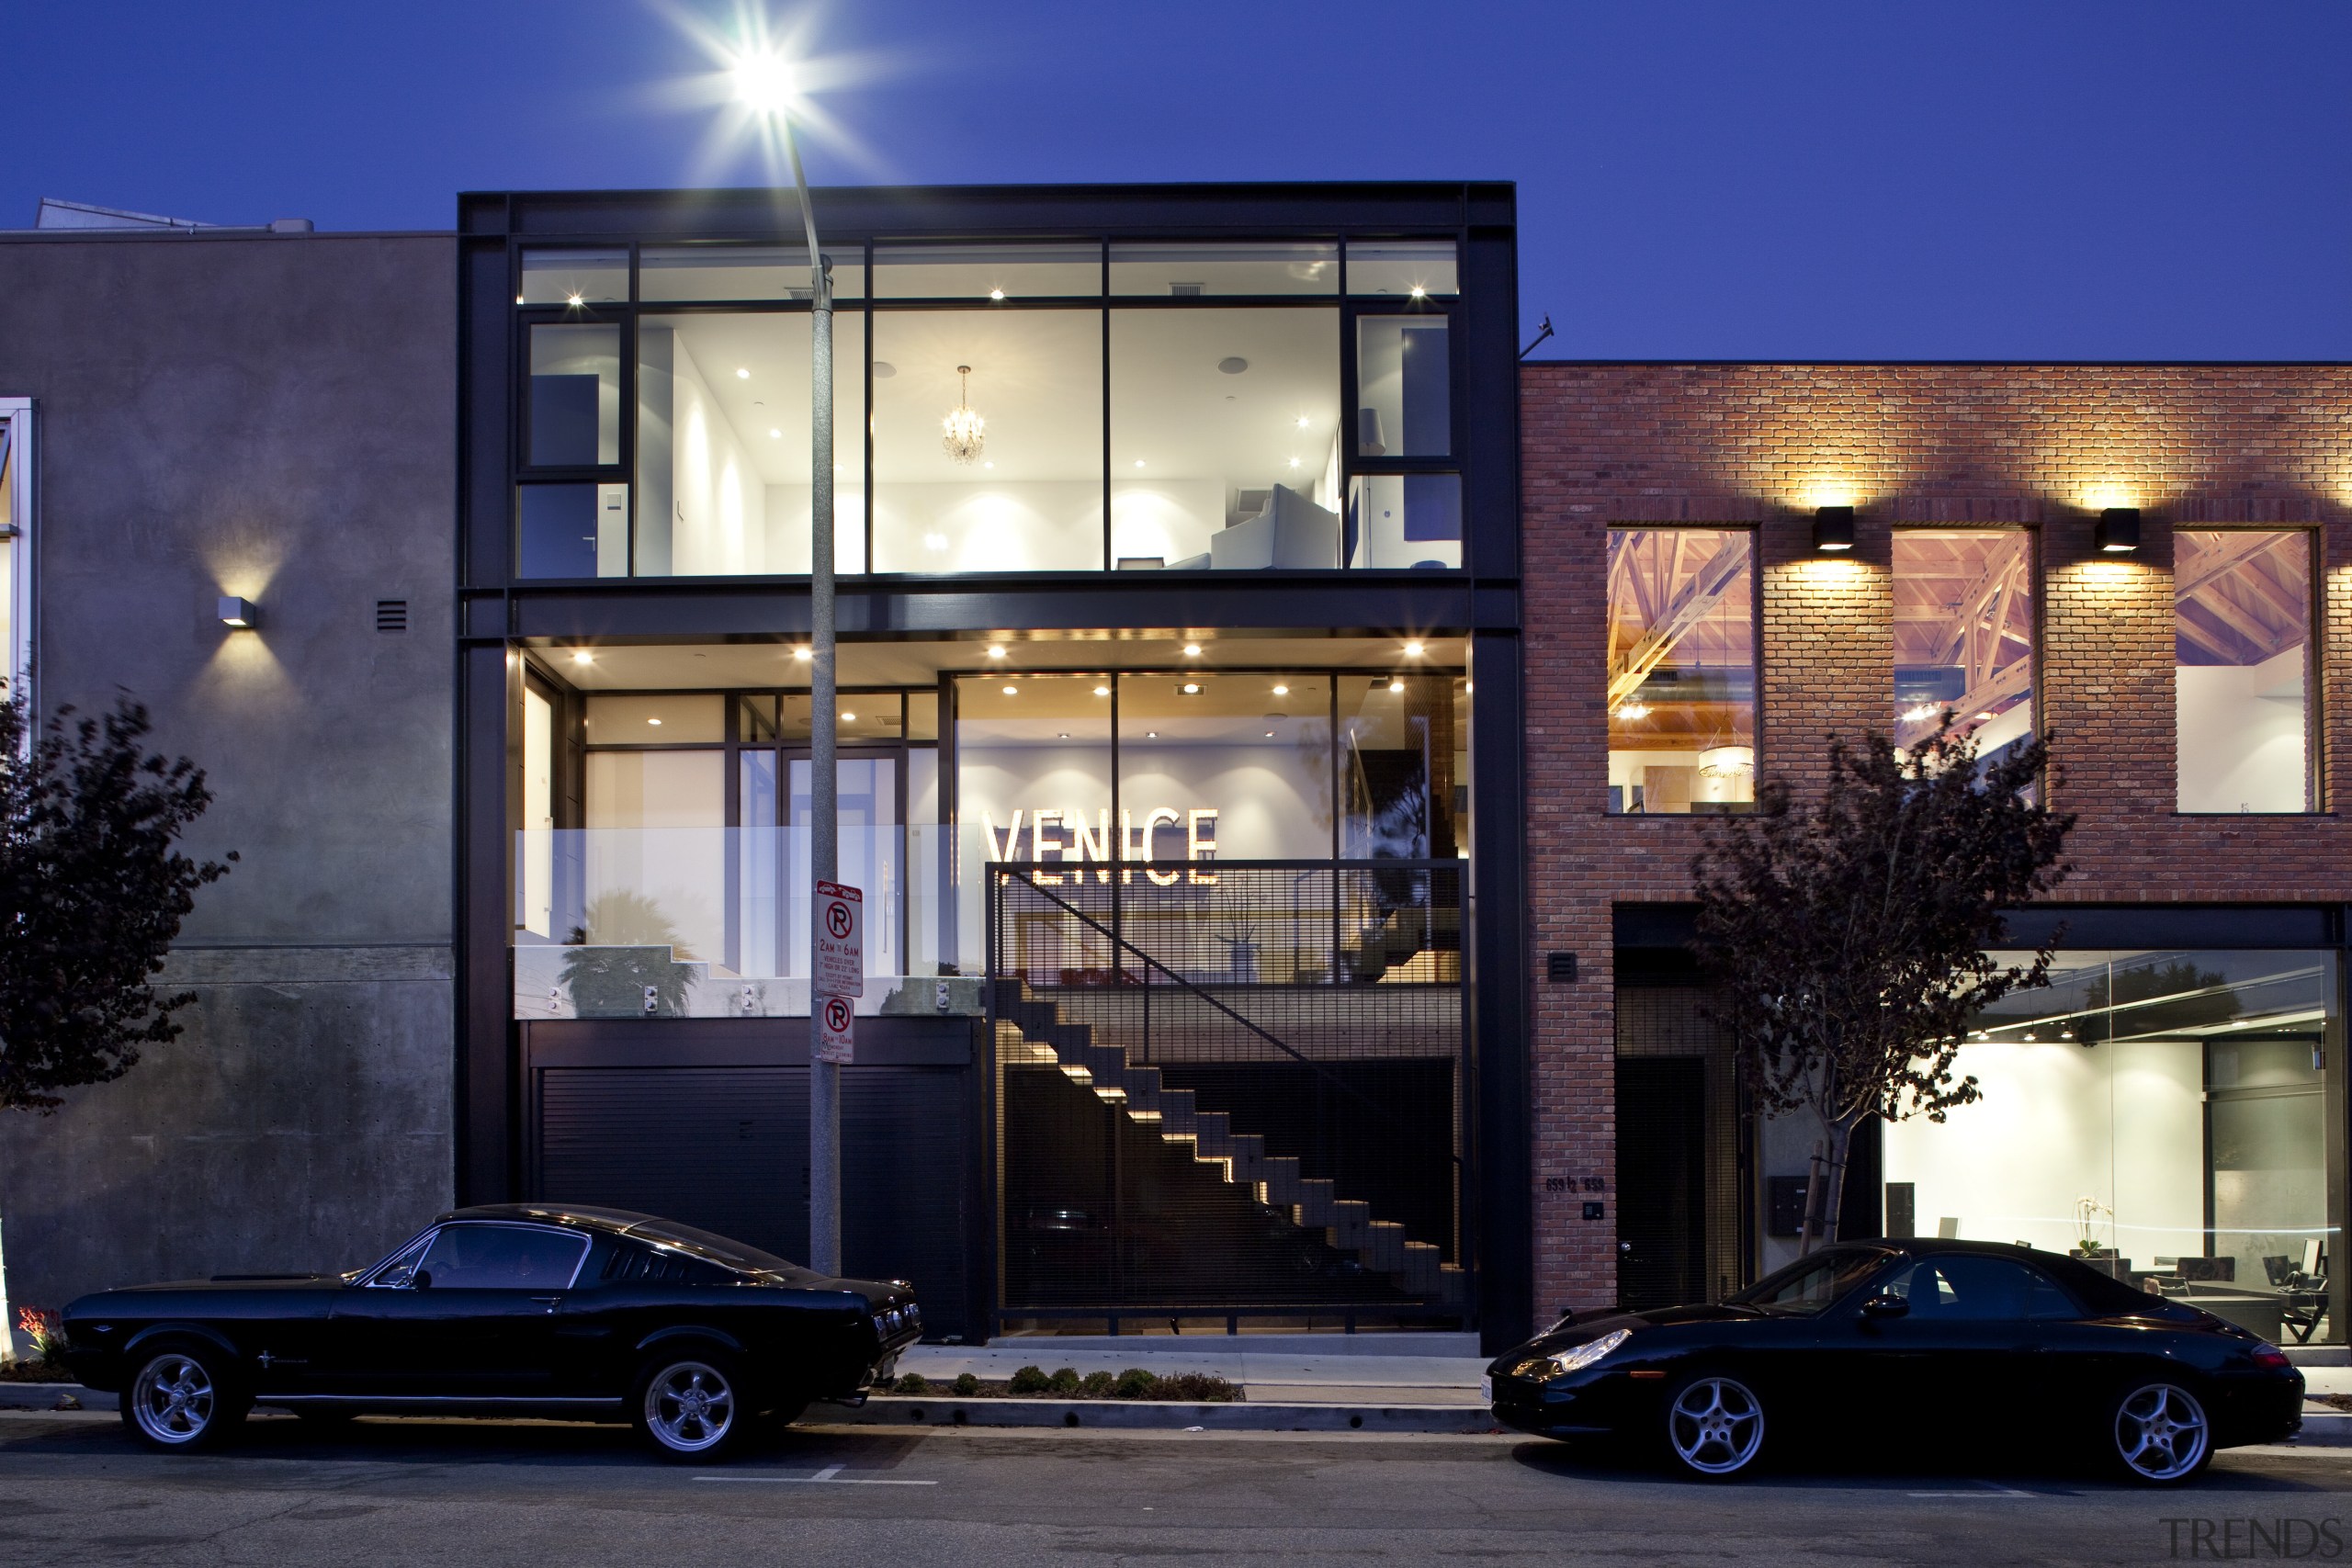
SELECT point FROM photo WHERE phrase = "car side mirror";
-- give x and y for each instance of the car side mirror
(1886, 1303)
(419, 1281)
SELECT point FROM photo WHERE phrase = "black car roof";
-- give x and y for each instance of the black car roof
(579, 1216)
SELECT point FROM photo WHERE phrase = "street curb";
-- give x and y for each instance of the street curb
(919, 1410)
(45, 1395)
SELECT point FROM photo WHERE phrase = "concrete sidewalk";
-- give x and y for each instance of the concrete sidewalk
(1278, 1368)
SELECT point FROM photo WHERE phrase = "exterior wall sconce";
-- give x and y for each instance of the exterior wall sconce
(2118, 533)
(242, 615)
(1833, 529)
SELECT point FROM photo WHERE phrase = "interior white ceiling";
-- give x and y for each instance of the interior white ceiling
(674, 667)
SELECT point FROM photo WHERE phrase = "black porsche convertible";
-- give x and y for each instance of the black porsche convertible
(1973, 1349)
(511, 1310)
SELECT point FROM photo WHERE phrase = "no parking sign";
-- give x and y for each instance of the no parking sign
(841, 940)
(836, 1018)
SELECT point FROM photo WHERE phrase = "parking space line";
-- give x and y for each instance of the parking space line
(830, 1475)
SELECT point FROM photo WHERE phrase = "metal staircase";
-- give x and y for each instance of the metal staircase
(1032, 1031)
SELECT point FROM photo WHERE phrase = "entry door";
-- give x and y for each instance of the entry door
(1661, 1181)
(873, 851)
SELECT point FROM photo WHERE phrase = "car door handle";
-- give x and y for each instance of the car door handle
(550, 1302)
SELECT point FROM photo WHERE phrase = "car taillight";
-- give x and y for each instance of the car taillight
(2270, 1356)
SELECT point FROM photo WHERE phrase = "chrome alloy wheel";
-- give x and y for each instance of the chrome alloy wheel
(1716, 1425)
(174, 1400)
(2160, 1432)
(689, 1408)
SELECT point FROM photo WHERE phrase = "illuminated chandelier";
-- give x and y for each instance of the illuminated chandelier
(965, 432)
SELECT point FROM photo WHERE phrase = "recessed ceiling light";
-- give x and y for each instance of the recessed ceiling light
(803, 654)
(742, 374)
(1632, 710)
(990, 463)
(1151, 735)
(1191, 688)
(1191, 650)
(849, 719)
(1062, 735)
(573, 300)
(1139, 462)
(1011, 691)
(775, 434)
(1420, 292)
(995, 293)
(1413, 651)
(1302, 422)
(1102, 690)
(1396, 687)
(654, 722)
(1269, 735)
(582, 656)
(1282, 690)
(1294, 462)
(996, 650)
(518, 298)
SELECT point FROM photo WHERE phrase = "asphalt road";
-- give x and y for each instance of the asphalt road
(73, 1489)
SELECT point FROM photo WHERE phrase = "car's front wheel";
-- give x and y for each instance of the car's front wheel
(1714, 1426)
(2160, 1435)
(183, 1398)
(689, 1404)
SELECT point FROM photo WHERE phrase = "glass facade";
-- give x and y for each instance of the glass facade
(1964, 635)
(1204, 416)
(2168, 1114)
(2243, 669)
(1681, 669)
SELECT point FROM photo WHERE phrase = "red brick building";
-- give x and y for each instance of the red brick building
(2189, 885)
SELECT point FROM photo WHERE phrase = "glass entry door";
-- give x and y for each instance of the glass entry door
(775, 883)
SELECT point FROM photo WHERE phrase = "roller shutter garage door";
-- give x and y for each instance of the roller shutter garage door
(727, 1149)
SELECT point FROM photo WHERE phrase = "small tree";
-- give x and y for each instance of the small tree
(93, 890)
(1847, 941)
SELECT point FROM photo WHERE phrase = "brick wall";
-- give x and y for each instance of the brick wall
(2044, 445)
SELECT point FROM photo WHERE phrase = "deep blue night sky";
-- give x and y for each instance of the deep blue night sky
(1782, 180)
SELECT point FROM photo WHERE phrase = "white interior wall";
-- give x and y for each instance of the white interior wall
(789, 510)
(657, 827)
(721, 526)
(1019, 525)
(2241, 735)
(1168, 518)
(2121, 1125)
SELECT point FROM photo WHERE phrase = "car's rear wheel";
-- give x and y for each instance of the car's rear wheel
(689, 1404)
(2160, 1434)
(183, 1398)
(1714, 1426)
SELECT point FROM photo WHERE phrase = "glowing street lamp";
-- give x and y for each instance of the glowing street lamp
(766, 85)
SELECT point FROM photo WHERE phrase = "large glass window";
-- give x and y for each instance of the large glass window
(723, 444)
(573, 277)
(1681, 672)
(575, 413)
(986, 272)
(1033, 782)
(1223, 766)
(1023, 490)
(1404, 387)
(1225, 428)
(2166, 1114)
(1192, 272)
(15, 517)
(2243, 669)
(677, 273)
(1964, 634)
(1414, 268)
(1397, 750)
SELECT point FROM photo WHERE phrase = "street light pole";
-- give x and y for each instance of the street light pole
(824, 1078)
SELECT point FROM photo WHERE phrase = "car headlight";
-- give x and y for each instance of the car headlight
(1545, 1368)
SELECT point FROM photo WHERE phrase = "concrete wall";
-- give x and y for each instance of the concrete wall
(272, 417)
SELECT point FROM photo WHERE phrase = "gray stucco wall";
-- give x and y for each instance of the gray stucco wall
(272, 417)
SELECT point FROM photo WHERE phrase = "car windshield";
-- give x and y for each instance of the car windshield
(1810, 1284)
(717, 1248)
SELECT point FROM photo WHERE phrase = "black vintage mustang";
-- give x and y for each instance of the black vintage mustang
(512, 1309)
(1972, 1349)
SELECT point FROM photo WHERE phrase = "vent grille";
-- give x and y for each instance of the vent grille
(391, 614)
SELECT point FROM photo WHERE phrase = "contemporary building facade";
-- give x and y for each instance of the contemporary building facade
(1271, 715)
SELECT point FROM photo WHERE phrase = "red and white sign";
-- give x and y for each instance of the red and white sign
(836, 1025)
(841, 940)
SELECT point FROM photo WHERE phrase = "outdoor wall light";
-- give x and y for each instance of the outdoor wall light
(242, 615)
(2118, 533)
(1833, 529)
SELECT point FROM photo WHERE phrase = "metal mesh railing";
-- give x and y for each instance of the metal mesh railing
(1313, 1011)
